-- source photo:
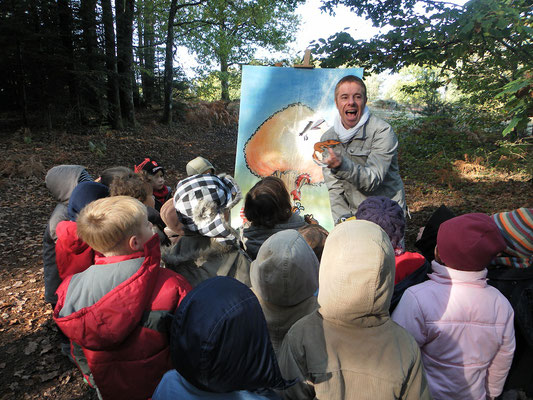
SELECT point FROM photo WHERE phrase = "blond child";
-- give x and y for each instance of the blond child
(114, 312)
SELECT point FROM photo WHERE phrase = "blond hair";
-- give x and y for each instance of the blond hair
(106, 223)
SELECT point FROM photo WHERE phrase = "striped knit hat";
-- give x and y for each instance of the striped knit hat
(517, 230)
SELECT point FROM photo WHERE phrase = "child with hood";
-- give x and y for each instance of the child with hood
(220, 347)
(60, 181)
(285, 279)
(350, 348)
(463, 326)
(115, 312)
(73, 255)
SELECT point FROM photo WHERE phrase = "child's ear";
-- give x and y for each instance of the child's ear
(134, 243)
(437, 258)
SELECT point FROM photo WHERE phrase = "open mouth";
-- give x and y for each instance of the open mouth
(352, 113)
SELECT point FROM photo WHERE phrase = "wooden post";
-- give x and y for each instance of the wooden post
(306, 61)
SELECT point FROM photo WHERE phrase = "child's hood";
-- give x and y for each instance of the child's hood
(356, 275)
(285, 271)
(62, 179)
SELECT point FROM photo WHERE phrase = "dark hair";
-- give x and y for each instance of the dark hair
(315, 236)
(268, 203)
(106, 178)
(133, 185)
(350, 78)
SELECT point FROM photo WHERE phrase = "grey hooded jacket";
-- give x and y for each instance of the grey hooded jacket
(350, 348)
(285, 279)
(60, 181)
(369, 168)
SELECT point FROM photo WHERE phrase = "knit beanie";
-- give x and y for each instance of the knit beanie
(387, 214)
(83, 194)
(198, 166)
(516, 228)
(150, 166)
(469, 242)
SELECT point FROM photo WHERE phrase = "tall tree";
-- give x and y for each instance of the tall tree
(485, 44)
(234, 29)
(147, 48)
(91, 54)
(113, 99)
(124, 15)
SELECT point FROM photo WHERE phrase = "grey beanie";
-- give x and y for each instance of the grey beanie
(198, 166)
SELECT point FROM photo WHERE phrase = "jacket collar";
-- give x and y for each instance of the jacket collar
(443, 274)
(100, 259)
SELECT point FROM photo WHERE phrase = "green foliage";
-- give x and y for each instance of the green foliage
(430, 146)
(229, 32)
(485, 44)
(208, 86)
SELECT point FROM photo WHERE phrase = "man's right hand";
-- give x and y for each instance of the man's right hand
(332, 160)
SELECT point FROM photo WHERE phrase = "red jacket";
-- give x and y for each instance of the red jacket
(121, 329)
(73, 255)
(406, 264)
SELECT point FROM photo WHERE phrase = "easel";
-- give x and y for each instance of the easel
(307, 59)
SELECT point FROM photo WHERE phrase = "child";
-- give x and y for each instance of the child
(349, 348)
(156, 173)
(315, 235)
(209, 246)
(220, 347)
(411, 268)
(60, 181)
(133, 185)
(285, 278)
(109, 174)
(199, 166)
(73, 255)
(140, 188)
(463, 326)
(268, 209)
(114, 312)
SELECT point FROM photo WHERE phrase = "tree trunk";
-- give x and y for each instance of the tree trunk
(124, 13)
(148, 52)
(169, 70)
(90, 43)
(65, 31)
(224, 84)
(113, 99)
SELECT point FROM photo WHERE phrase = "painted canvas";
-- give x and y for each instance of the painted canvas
(283, 114)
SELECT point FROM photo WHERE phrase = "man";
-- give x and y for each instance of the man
(365, 163)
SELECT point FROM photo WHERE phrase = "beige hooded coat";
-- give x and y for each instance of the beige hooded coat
(284, 278)
(350, 348)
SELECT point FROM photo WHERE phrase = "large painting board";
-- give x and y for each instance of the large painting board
(283, 113)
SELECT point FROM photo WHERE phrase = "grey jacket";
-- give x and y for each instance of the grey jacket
(60, 181)
(198, 258)
(254, 236)
(285, 279)
(369, 168)
(350, 348)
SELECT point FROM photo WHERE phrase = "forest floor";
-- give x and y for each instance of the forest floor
(31, 364)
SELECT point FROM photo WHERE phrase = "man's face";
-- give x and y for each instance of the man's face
(350, 101)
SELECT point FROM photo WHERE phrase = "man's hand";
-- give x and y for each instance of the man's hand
(332, 161)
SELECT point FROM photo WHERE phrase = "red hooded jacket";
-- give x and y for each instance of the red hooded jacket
(116, 311)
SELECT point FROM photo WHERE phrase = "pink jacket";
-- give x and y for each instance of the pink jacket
(464, 329)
